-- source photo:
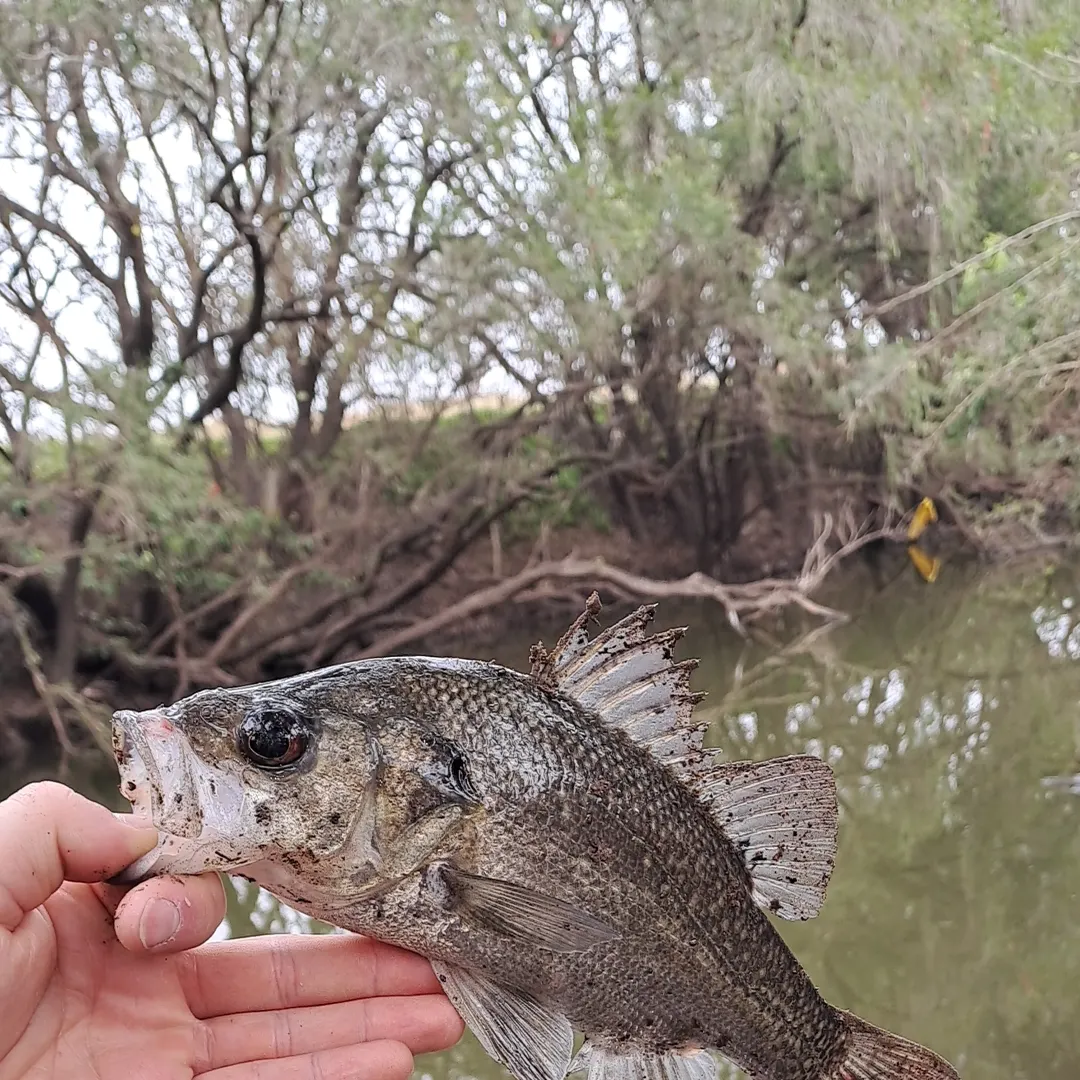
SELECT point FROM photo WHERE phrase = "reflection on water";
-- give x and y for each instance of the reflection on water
(951, 914)
(252, 911)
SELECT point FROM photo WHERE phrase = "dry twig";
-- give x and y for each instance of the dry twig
(42, 687)
(738, 601)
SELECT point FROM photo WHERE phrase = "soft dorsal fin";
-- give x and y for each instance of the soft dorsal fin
(782, 815)
(631, 681)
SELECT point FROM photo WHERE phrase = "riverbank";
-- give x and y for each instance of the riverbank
(134, 571)
(493, 592)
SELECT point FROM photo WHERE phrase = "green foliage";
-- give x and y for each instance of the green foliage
(566, 503)
(666, 228)
(166, 520)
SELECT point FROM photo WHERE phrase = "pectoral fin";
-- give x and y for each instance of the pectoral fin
(523, 1035)
(531, 917)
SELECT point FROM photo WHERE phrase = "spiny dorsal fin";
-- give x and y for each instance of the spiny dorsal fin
(551, 668)
(630, 680)
(782, 815)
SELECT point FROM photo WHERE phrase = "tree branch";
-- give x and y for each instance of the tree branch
(738, 601)
(760, 201)
(241, 338)
(9, 206)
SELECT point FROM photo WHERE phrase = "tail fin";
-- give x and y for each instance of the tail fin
(873, 1054)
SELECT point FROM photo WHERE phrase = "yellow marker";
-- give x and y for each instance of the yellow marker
(925, 513)
(928, 567)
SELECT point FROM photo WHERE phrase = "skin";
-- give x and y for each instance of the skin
(97, 980)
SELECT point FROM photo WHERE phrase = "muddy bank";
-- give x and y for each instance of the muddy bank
(490, 594)
(444, 538)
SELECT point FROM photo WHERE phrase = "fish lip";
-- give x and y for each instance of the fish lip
(138, 771)
(140, 778)
(139, 871)
(140, 766)
(183, 836)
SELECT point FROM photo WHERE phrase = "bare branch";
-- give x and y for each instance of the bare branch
(8, 207)
(241, 338)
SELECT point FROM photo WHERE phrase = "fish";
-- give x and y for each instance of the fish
(559, 843)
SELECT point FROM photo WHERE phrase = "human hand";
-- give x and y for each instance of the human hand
(101, 982)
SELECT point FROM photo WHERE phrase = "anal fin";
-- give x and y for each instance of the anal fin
(782, 815)
(631, 1064)
(523, 1035)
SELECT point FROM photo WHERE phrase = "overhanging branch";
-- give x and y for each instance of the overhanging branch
(241, 338)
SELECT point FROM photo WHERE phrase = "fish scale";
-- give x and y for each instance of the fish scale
(559, 844)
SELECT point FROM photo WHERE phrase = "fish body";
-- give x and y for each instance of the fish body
(559, 844)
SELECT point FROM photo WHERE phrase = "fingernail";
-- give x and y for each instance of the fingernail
(159, 924)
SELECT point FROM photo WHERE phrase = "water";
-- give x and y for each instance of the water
(951, 916)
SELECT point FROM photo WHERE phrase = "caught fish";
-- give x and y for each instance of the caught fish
(559, 844)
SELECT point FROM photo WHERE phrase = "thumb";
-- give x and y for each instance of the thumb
(49, 835)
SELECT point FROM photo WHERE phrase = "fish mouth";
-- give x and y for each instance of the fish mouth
(194, 806)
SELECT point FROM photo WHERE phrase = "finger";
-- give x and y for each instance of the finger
(170, 914)
(424, 1024)
(111, 894)
(282, 971)
(49, 834)
(373, 1061)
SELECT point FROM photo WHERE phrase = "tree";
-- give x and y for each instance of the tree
(245, 205)
(738, 219)
(743, 271)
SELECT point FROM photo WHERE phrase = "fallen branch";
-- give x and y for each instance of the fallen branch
(199, 671)
(42, 687)
(738, 601)
(258, 608)
(234, 592)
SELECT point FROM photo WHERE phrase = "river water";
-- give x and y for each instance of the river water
(952, 916)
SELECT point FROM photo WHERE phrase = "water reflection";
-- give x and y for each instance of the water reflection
(251, 910)
(950, 917)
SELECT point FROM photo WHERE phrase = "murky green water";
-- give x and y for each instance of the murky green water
(953, 912)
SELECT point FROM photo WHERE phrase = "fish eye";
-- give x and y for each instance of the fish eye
(273, 738)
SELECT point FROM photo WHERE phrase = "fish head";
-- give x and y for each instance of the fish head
(269, 775)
